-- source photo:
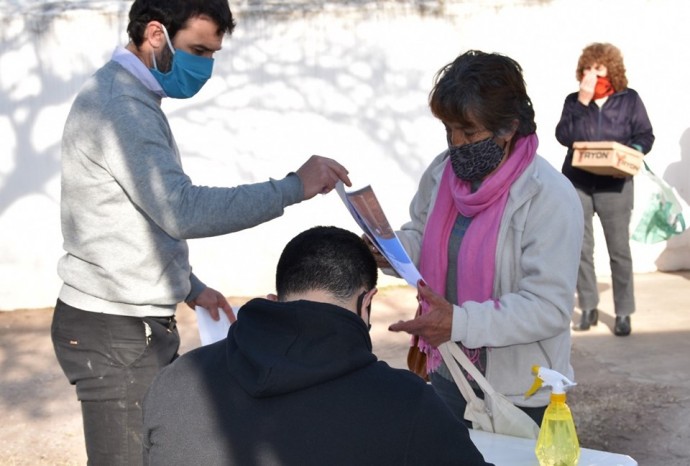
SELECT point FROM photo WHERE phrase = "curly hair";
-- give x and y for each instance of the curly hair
(609, 56)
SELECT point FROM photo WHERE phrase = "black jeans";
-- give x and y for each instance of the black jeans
(112, 360)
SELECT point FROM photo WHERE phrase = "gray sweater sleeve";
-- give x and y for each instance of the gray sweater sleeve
(142, 156)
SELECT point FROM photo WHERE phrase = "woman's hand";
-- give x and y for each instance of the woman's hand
(587, 85)
(435, 324)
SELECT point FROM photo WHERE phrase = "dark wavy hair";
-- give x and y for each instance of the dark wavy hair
(486, 86)
(173, 14)
(609, 56)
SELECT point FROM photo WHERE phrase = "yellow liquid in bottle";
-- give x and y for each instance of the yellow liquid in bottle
(557, 444)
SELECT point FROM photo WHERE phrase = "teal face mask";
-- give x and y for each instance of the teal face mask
(187, 75)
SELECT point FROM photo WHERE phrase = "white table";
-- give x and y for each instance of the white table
(503, 450)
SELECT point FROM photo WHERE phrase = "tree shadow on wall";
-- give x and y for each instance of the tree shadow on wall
(34, 84)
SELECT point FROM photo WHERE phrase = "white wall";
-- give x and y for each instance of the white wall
(352, 87)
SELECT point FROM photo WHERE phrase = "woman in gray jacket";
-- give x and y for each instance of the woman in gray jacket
(496, 232)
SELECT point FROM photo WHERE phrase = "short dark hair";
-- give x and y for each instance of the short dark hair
(326, 258)
(173, 14)
(486, 86)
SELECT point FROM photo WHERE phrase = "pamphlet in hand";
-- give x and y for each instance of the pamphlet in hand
(210, 331)
(368, 213)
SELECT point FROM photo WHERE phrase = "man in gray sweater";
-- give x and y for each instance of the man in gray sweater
(127, 210)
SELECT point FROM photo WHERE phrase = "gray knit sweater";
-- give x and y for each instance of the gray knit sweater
(127, 206)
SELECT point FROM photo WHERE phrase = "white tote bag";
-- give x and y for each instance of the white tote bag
(495, 413)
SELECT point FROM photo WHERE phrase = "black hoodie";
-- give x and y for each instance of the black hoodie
(296, 383)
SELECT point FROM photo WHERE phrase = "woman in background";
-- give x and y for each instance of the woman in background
(604, 109)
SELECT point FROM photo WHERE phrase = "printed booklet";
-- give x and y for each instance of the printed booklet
(368, 213)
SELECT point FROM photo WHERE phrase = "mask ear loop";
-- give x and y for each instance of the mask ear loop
(360, 301)
(168, 41)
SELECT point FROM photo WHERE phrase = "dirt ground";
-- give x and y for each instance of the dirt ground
(632, 395)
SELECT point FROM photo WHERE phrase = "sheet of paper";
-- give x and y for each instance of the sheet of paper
(210, 331)
(368, 213)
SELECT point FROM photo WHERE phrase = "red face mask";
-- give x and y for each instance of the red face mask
(603, 87)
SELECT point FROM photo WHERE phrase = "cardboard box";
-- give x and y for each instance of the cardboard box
(606, 158)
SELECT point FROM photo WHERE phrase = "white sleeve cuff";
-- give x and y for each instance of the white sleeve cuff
(458, 331)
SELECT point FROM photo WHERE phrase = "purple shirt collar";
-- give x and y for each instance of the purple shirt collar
(134, 65)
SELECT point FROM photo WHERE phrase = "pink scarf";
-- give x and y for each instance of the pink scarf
(477, 258)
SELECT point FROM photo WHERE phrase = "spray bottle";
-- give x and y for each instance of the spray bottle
(557, 444)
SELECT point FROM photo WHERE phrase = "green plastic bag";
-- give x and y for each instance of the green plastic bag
(662, 216)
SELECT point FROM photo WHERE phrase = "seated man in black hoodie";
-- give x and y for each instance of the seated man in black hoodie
(295, 382)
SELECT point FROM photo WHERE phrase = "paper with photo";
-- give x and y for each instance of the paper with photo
(210, 331)
(368, 213)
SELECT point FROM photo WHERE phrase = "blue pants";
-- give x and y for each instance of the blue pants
(614, 210)
(112, 360)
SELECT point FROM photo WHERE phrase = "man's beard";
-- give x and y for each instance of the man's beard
(165, 61)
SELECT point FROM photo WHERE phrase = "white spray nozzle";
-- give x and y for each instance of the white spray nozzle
(557, 381)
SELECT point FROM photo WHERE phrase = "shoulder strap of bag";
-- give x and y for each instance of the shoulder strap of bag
(458, 355)
(500, 415)
(448, 354)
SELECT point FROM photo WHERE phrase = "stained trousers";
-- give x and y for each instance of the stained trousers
(614, 210)
(112, 360)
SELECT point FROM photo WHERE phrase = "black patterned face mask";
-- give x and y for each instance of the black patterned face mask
(474, 161)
